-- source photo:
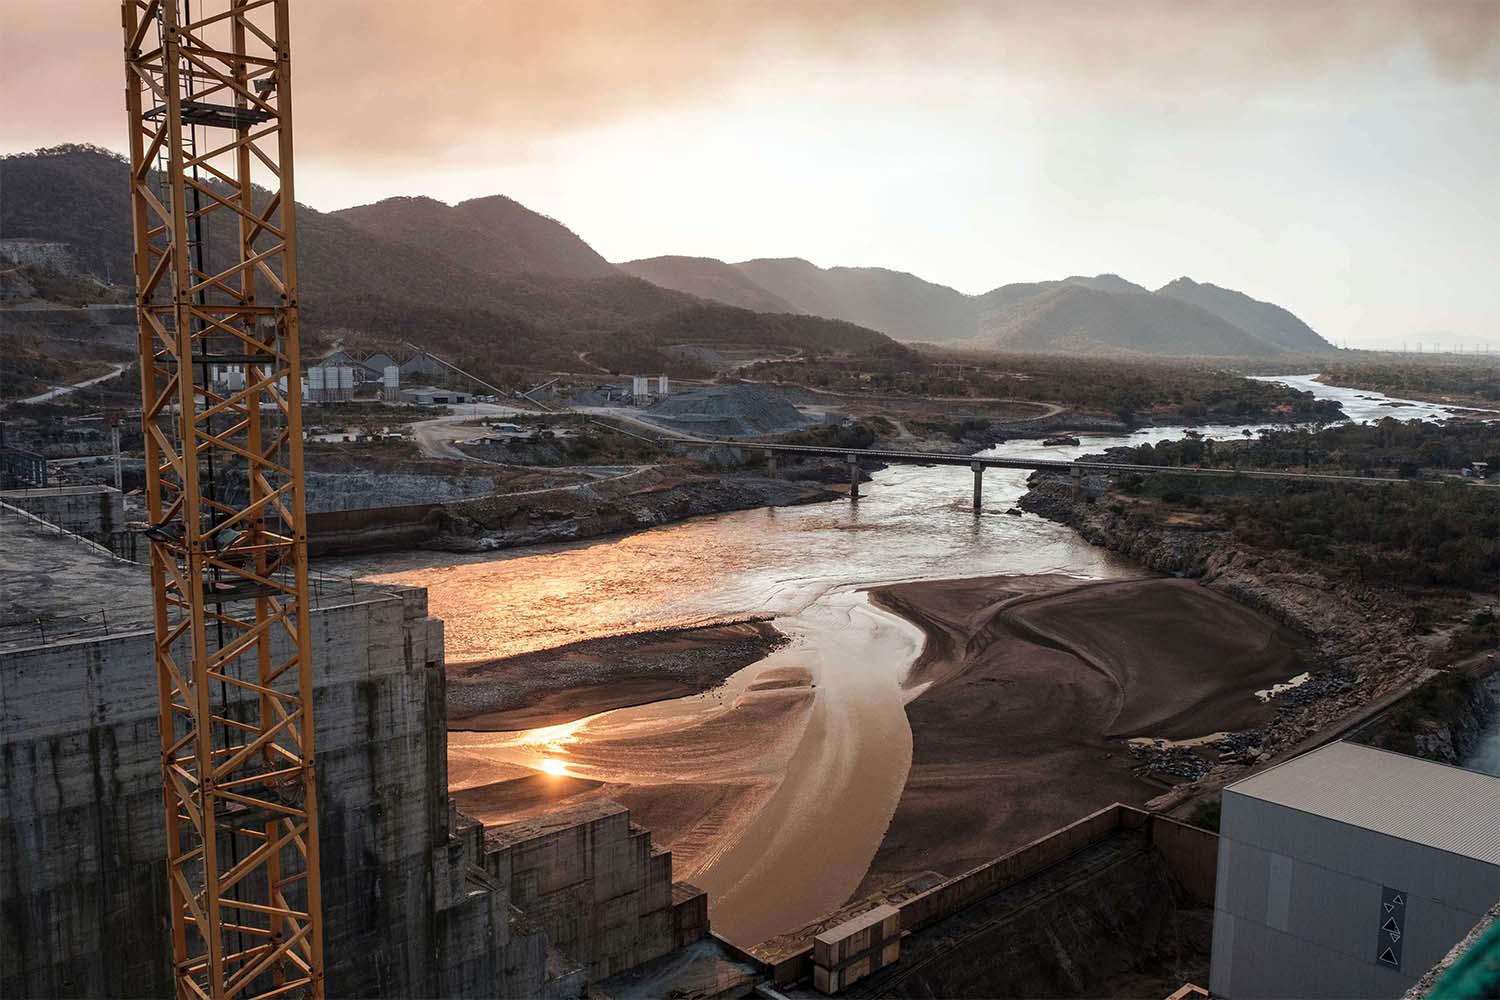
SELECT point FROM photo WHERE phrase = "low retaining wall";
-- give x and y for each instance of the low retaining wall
(1190, 854)
(95, 512)
(937, 903)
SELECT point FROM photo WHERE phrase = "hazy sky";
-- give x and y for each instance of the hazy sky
(1342, 159)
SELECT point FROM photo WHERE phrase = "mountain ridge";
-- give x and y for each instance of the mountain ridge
(356, 281)
(911, 308)
(495, 256)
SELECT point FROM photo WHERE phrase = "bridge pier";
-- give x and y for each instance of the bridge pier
(1076, 475)
(853, 477)
(771, 465)
(978, 468)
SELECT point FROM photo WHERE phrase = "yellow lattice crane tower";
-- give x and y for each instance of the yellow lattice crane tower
(208, 91)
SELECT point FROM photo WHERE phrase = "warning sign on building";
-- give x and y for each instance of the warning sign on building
(1392, 927)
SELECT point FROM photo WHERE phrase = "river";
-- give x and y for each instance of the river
(814, 801)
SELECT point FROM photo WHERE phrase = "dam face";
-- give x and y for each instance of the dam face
(418, 899)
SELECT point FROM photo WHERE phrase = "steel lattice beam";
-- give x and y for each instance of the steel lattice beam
(209, 102)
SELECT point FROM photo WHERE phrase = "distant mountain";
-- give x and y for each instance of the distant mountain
(1105, 283)
(486, 279)
(508, 268)
(993, 304)
(1269, 322)
(1077, 319)
(893, 302)
(494, 235)
(79, 196)
(708, 278)
(1104, 313)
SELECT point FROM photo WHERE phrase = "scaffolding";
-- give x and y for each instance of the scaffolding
(208, 98)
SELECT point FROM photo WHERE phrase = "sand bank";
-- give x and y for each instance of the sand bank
(554, 686)
(1028, 685)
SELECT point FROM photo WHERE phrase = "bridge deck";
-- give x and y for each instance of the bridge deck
(1052, 464)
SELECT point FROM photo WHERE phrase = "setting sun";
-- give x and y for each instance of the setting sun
(553, 766)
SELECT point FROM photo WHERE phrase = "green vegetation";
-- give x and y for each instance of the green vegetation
(1396, 536)
(862, 434)
(70, 289)
(1206, 813)
(1390, 447)
(1450, 695)
(1458, 379)
(1404, 535)
(974, 430)
(592, 445)
(1481, 633)
(1129, 390)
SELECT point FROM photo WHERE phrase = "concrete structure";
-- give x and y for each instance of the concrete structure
(390, 383)
(639, 393)
(418, 900)
(94, 511)
(84, 890)
(663, 386)
(1112, 893)
(21, 468)
(850, 951)
(428, 395)
(596, 886)
(1350, 871)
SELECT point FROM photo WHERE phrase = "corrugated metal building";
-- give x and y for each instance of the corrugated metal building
(1349, 871)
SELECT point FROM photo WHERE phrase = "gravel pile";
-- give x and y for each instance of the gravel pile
(733, 410)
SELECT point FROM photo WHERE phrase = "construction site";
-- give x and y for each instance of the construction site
(769, 753)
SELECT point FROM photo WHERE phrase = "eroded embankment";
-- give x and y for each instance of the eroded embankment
(647, 499)
(1028, 686)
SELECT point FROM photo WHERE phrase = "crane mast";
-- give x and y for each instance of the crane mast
(208, 94)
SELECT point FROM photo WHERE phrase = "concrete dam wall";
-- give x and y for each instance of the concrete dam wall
(85, 903)
(418, 900)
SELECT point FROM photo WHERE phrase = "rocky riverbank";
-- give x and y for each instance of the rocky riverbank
(652, 498)
(1445, 719)
(630, 501)
(1363, 642)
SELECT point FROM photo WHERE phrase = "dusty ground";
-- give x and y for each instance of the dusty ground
(554, 686)
(1031, 685)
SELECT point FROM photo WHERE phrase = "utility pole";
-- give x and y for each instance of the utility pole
(208, 97)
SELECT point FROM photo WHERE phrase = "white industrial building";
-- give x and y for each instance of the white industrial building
(1349, 872)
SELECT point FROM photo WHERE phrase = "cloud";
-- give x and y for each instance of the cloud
(490, 78)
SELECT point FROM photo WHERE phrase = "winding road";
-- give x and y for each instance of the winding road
(63, 390)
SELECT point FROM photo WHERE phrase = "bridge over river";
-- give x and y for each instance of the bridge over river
(1074, 468)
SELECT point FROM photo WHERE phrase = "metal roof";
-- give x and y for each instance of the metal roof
(1449, 808)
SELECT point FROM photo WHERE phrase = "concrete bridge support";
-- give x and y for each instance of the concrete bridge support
(978, 468)
(1076, 476)
(771, 465)
(853, 477)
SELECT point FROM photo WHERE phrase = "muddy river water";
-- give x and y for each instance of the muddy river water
(817, 797)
